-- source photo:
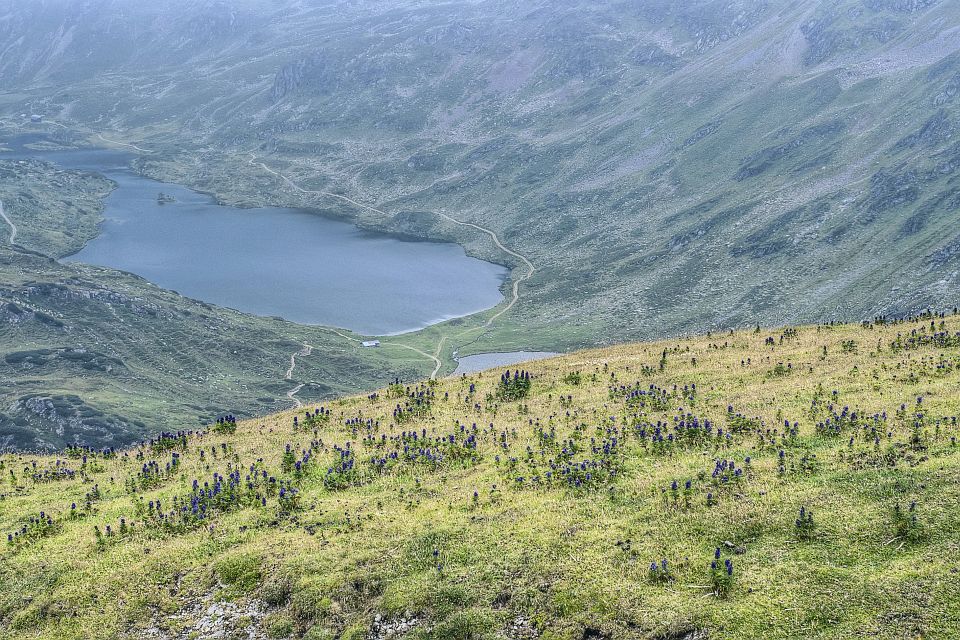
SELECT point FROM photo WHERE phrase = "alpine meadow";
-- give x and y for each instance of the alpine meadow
(479, 320)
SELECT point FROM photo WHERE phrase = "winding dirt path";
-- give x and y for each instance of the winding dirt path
(302, 353)
(13, 227)
(292, 394)
(434, 357)
(436, 360)
(123, 144)
(530, 269)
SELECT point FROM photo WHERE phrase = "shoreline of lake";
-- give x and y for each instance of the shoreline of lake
(293, 263)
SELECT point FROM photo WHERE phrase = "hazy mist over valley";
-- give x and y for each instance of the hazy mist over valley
(218, 215)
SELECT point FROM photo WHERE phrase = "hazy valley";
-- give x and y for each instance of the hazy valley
(244, 423)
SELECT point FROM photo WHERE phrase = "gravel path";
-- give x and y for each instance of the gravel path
(13, 227)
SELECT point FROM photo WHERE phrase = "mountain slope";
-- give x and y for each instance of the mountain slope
(586, 501)
(685, 165)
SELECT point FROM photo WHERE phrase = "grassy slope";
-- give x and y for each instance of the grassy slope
(59, 218)
(688, 165)
(550, 560)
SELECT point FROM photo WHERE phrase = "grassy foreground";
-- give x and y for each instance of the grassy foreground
(817, 467)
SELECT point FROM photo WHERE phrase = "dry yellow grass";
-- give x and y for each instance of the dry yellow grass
(454, 538)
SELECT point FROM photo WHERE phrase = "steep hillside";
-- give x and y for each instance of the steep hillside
(690, 165)
(797, 482)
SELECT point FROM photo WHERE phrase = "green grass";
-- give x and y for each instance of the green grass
(57, 219)
(558, 561)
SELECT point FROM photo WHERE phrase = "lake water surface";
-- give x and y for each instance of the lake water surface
(276, 261)
(481, 361)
